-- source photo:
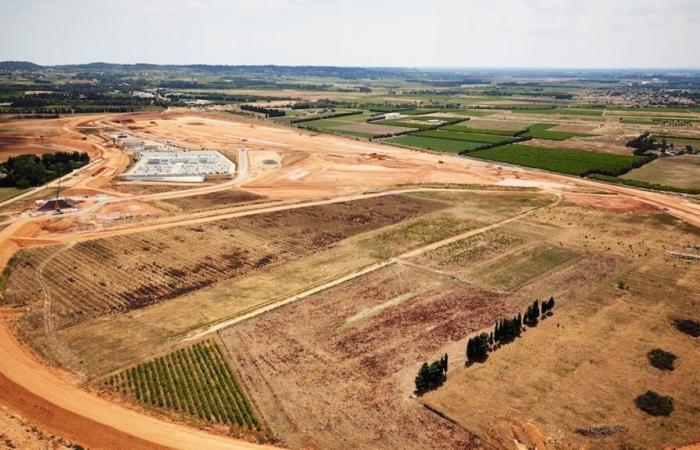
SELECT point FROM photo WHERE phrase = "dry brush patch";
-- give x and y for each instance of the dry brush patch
(218, 199)
(124, 273)
(616, 303)
(356, 343)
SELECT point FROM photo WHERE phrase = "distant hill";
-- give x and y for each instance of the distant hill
(24, 66)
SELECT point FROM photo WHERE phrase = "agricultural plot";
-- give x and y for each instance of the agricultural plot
(353, 125)
(365, 338)
(600, 332)
(370, 129)
(217, 199)
(105, 344)
(469, 137)
(405, 123)
(561, 111)
(468, 129)
(665, 121)
(678, 171)
(124, 273)
(440, 145)
(195, 381)
(680, 141)
(420, 232)
(574, 162)
(512, 271)
(543, 131)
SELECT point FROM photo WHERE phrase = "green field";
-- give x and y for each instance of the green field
(195, 380)
(567, 111)
(470, 137)
(468, 129)
(574, 162)
(401, 123)
(541, 131)
(680, 140)
(441, 145)
(670, 121)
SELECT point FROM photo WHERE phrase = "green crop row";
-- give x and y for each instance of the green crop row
(437, 144)
(467, 129)
(470, 137)
(541, 131)
(574, 162)
(563, 111)
(195, 380)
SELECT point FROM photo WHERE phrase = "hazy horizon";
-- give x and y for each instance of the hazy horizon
(519, 34)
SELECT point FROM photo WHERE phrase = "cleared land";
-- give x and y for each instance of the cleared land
(574, 162)
(680, 171)
(623, 295)
(217, 199)
(129, 272)
(363, 336)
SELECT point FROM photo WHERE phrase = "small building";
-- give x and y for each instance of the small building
(57, 204)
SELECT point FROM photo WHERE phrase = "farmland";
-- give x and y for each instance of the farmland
(464, 128)
(194, 381)
(437, 144)
(295, 303)
(542, 131)
(469, 137)
(601, 330)
(354, 353)
(130, 272)
(680, 171)
(562, 111)
(574, 162)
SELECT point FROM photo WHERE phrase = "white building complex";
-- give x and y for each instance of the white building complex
(180, 165)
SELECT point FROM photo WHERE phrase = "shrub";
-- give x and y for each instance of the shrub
(661, 359)
(654, 404)
(688, 326)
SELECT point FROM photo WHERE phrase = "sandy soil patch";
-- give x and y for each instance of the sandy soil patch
(609, 202)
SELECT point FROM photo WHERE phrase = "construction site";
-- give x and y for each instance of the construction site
(150, 313)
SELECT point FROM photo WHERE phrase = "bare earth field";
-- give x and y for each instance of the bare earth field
(353, 354)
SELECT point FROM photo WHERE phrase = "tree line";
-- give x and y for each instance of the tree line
(431, 376)
(28, 170)
(507, 330)
(269, 112)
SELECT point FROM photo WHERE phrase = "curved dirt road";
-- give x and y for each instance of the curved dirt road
(51, 400)
(42, 394)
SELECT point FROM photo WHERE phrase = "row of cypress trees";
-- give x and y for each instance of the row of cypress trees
(431, 376)
(507, 330)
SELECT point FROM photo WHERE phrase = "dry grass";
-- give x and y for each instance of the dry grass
(584, 366)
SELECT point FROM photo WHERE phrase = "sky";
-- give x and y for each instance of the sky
(406, 33)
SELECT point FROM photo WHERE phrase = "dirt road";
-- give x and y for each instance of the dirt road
(364, 271)
(53, 401)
